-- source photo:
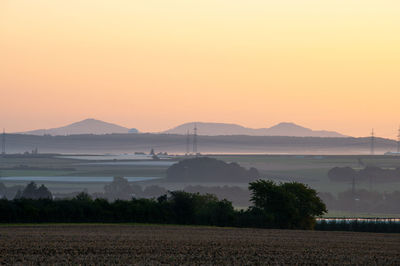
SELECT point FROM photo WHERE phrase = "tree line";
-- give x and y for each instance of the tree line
(286, 205)
(363, 200)
(368, 174)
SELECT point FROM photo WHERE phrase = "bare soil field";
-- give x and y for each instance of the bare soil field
(156, 244)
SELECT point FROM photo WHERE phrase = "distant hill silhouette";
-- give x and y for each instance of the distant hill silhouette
(281, 129)
(87, 126)
(174, 143)
(98, 127)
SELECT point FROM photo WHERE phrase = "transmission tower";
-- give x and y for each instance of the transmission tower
(398, 141)
(3, 143)
(195, 139)
(372, 142)
(353, 192)
(187, 143)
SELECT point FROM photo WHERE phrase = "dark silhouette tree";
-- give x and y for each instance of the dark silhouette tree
(31, 191)
(18, 195)
(44, 193)
(119, 188)
(342, 174)
(210, 169)
(84, 197)
(287, 205)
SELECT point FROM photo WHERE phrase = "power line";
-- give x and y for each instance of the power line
(398, 141)
(195, 139)
(187, 143)
(372, 142)
(3, 145)
(353, 191)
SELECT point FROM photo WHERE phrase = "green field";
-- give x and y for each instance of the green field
(59, 166)
(344, 214)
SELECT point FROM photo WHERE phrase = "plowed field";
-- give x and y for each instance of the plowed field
(153, 244)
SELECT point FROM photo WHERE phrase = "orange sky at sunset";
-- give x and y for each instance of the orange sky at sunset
(152, 65)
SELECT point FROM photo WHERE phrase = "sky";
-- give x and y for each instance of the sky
(151, 65)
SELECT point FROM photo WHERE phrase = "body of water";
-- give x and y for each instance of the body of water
(73, 179)
(135, 163)
(359, 220)
(109, 157)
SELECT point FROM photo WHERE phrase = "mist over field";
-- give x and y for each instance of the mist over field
(130, 143)
(199, 132)
(139, 164)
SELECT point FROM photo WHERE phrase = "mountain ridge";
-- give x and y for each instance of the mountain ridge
(98, 127)
(281, 129)
(86, 126)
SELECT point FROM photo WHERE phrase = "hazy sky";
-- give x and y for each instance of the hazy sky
(331, 65)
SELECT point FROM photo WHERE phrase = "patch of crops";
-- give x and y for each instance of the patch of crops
(379, 225)
(151, 244)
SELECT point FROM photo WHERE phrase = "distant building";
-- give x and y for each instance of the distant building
(133, 131)
(391, 153)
